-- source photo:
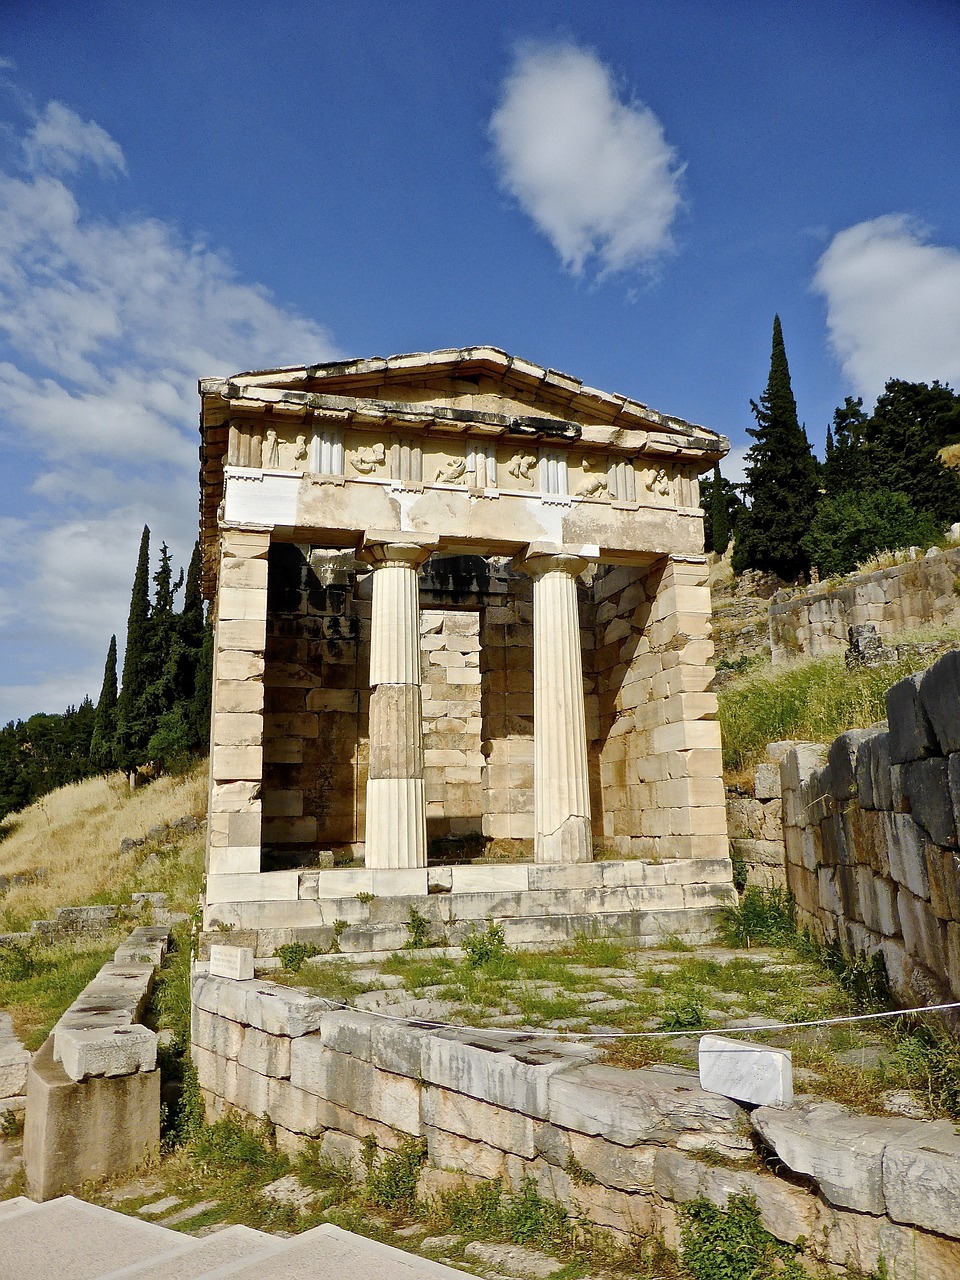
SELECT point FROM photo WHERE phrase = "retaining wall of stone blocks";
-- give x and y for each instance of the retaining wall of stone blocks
(871, 836)
(625, 1148)
(93, 1088)
(755, 827)
(896, 599)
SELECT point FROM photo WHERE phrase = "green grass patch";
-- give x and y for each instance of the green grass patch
(813, 700)
(38, 983)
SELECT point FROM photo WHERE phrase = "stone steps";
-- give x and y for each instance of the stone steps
(75, 1240)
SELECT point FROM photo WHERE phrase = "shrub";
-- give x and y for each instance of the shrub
(851, 527)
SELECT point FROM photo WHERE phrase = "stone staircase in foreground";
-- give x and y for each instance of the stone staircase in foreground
(69, 1239)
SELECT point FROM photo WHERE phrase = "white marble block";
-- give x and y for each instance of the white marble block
(746, 1072)
(231, 962)
(112, 1051)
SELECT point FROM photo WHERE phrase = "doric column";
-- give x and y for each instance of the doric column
(561, 787)
(396, 828)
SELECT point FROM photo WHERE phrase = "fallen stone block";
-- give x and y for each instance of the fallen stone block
(747, 1072)
(115, 1051)
(231, 962)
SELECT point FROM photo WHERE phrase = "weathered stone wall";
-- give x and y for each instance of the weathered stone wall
(621, 1146)
(659, 746)
(755, 827)
(897, 599)
(870, 830)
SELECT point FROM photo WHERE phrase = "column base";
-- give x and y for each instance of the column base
(396, 833)
(571, 842)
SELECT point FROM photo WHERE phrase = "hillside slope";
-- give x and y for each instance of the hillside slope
(68, 846)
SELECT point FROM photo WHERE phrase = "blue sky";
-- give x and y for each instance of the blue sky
(624, 191)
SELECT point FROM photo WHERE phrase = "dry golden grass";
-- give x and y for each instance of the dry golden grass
(75, 834)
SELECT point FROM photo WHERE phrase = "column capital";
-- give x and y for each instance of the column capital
(545, 557)
(388, 548)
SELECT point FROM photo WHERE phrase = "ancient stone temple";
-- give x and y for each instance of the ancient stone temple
(459, 601)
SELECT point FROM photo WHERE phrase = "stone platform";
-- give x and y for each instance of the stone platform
(371, 910)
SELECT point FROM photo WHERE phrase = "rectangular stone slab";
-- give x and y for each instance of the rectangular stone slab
(745, 1071)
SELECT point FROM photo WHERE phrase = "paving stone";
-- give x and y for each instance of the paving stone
(514, 1259)
(290, 1190)
(159, 1207)
(190, 1211)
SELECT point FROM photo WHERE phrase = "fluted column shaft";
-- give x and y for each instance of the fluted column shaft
(561, 784)
(396, 824)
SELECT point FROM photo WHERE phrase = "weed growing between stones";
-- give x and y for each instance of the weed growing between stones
(391, 1180)
(731, 1243)
(292, 955)
(486, 948)
(763, 917)
(418, 927)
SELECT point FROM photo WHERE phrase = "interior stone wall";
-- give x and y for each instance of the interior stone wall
(654, 747)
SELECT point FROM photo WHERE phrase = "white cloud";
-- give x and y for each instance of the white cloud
(60, 141)
(105, 327)
(893, 303)
(593, 171)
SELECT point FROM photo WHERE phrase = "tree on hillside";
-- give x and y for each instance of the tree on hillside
(722, 504)
(132, 729)
(902, 439)
(781, 479)
(176, 735)
(851, 527)
(103, 743)
(844, 468)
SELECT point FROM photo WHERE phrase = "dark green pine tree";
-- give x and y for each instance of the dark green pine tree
(781, 479)
(133, 730)
(719, 514)
(103, 741)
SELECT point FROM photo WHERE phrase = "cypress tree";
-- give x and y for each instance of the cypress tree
(781, 478)
(103, 742)
(719, 514)
(133, 732)
(844, 467)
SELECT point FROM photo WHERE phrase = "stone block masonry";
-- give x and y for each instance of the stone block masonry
(619, 1147)
(870, 830)
(900, 598)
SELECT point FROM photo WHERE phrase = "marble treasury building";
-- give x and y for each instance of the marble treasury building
(460, 604)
